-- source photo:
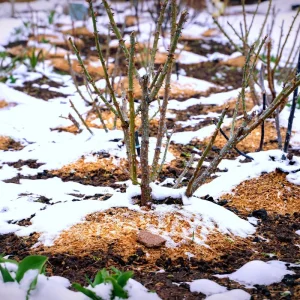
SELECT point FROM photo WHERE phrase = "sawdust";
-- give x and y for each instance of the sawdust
(3, 104)
(177, 90)
(118, 227)
(7, 143)
(251, 142)
(93, 121)
(92, 64)
(20, 51)
(78, 31)
(270, 191)
(81, 168)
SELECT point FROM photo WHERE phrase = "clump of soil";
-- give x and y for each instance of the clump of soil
(7, 143)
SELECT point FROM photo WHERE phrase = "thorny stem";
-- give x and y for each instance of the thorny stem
(90, 79)
(145, 174)
(155, 77)
(101, 58)
(227, 36)
(170, 59)
(131, 110)
(242, 133)
(278, 58)
(156, 36)
(95, 106)
(75, 81)
(235, 148)
(117, 33)
(193, 180)
(163, 109)
(166, 151)
(292, 48)
(188, 165)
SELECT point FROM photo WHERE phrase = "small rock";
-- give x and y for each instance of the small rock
(150, 240)
(260, 214)
(257, 239)
(289, 280)
(223, 202)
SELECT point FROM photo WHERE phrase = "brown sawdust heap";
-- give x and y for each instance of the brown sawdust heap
(119, 227)
(83, 168)
(270, 191)
(108, 118)
(3, 104)
(251, 142)
(7, 143)
(177, 90)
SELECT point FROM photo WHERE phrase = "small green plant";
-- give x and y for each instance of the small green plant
(33, 262)
(118, 279)
(12, 79)
(51, 17)
(34, 58)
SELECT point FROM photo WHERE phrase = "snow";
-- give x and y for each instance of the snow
(57, 288)
(231, 295)
(206, 287)
(258, 272)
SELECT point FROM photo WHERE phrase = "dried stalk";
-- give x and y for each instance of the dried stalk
(81, 118)
(156, 36)
(75, 81)
(90, 79)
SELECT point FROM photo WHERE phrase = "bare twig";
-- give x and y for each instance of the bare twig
(81, 118)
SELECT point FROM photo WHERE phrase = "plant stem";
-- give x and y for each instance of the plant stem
(292, 113)
(190, 187)
(80, 117)
(145, 174)
(131, 110)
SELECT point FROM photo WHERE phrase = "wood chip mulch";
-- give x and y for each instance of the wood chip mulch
(271, 192)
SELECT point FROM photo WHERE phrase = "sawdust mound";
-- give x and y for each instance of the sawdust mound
(251, 142)
(104, 166)
(3, 104)
(270, 191)
(118, 228)
(7, 143)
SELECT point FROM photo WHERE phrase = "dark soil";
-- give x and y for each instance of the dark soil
(38, 92)
(224, 76)
(276, 229)
(209, 46)
(31, 163)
